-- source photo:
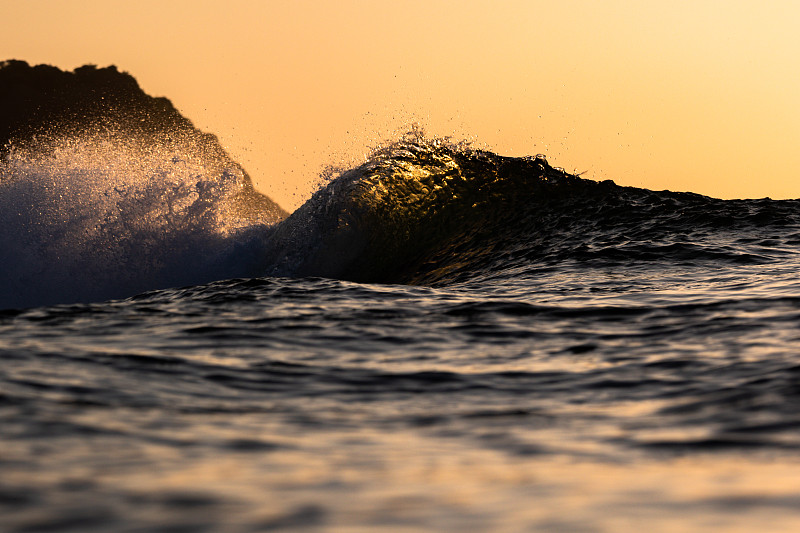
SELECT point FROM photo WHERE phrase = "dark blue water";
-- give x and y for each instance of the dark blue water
(441, 339)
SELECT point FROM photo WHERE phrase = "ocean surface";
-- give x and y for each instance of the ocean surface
(440, 339)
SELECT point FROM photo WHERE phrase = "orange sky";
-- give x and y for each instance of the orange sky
(700, 95)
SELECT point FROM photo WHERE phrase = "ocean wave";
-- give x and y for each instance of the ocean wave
(425, 211)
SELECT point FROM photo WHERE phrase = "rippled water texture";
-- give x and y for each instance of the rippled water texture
(279, 404)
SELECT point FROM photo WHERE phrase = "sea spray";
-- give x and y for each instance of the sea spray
(106, 216)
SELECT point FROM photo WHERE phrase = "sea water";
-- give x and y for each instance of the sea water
(441, 339)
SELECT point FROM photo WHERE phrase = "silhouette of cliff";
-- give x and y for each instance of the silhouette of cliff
(41, 103)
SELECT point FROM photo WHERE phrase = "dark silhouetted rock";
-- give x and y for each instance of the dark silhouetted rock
(40, 104)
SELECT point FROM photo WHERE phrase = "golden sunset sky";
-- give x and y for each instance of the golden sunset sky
(699, 96)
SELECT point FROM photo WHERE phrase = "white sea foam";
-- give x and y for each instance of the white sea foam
(105, 217)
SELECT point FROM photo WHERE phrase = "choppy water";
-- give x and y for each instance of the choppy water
(440, 340)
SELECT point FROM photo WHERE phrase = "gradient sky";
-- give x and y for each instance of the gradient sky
(699, 95)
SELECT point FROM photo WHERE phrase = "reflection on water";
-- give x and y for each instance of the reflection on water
(208, 474)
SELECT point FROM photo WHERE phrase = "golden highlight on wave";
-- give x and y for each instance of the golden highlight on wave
(383, 219)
